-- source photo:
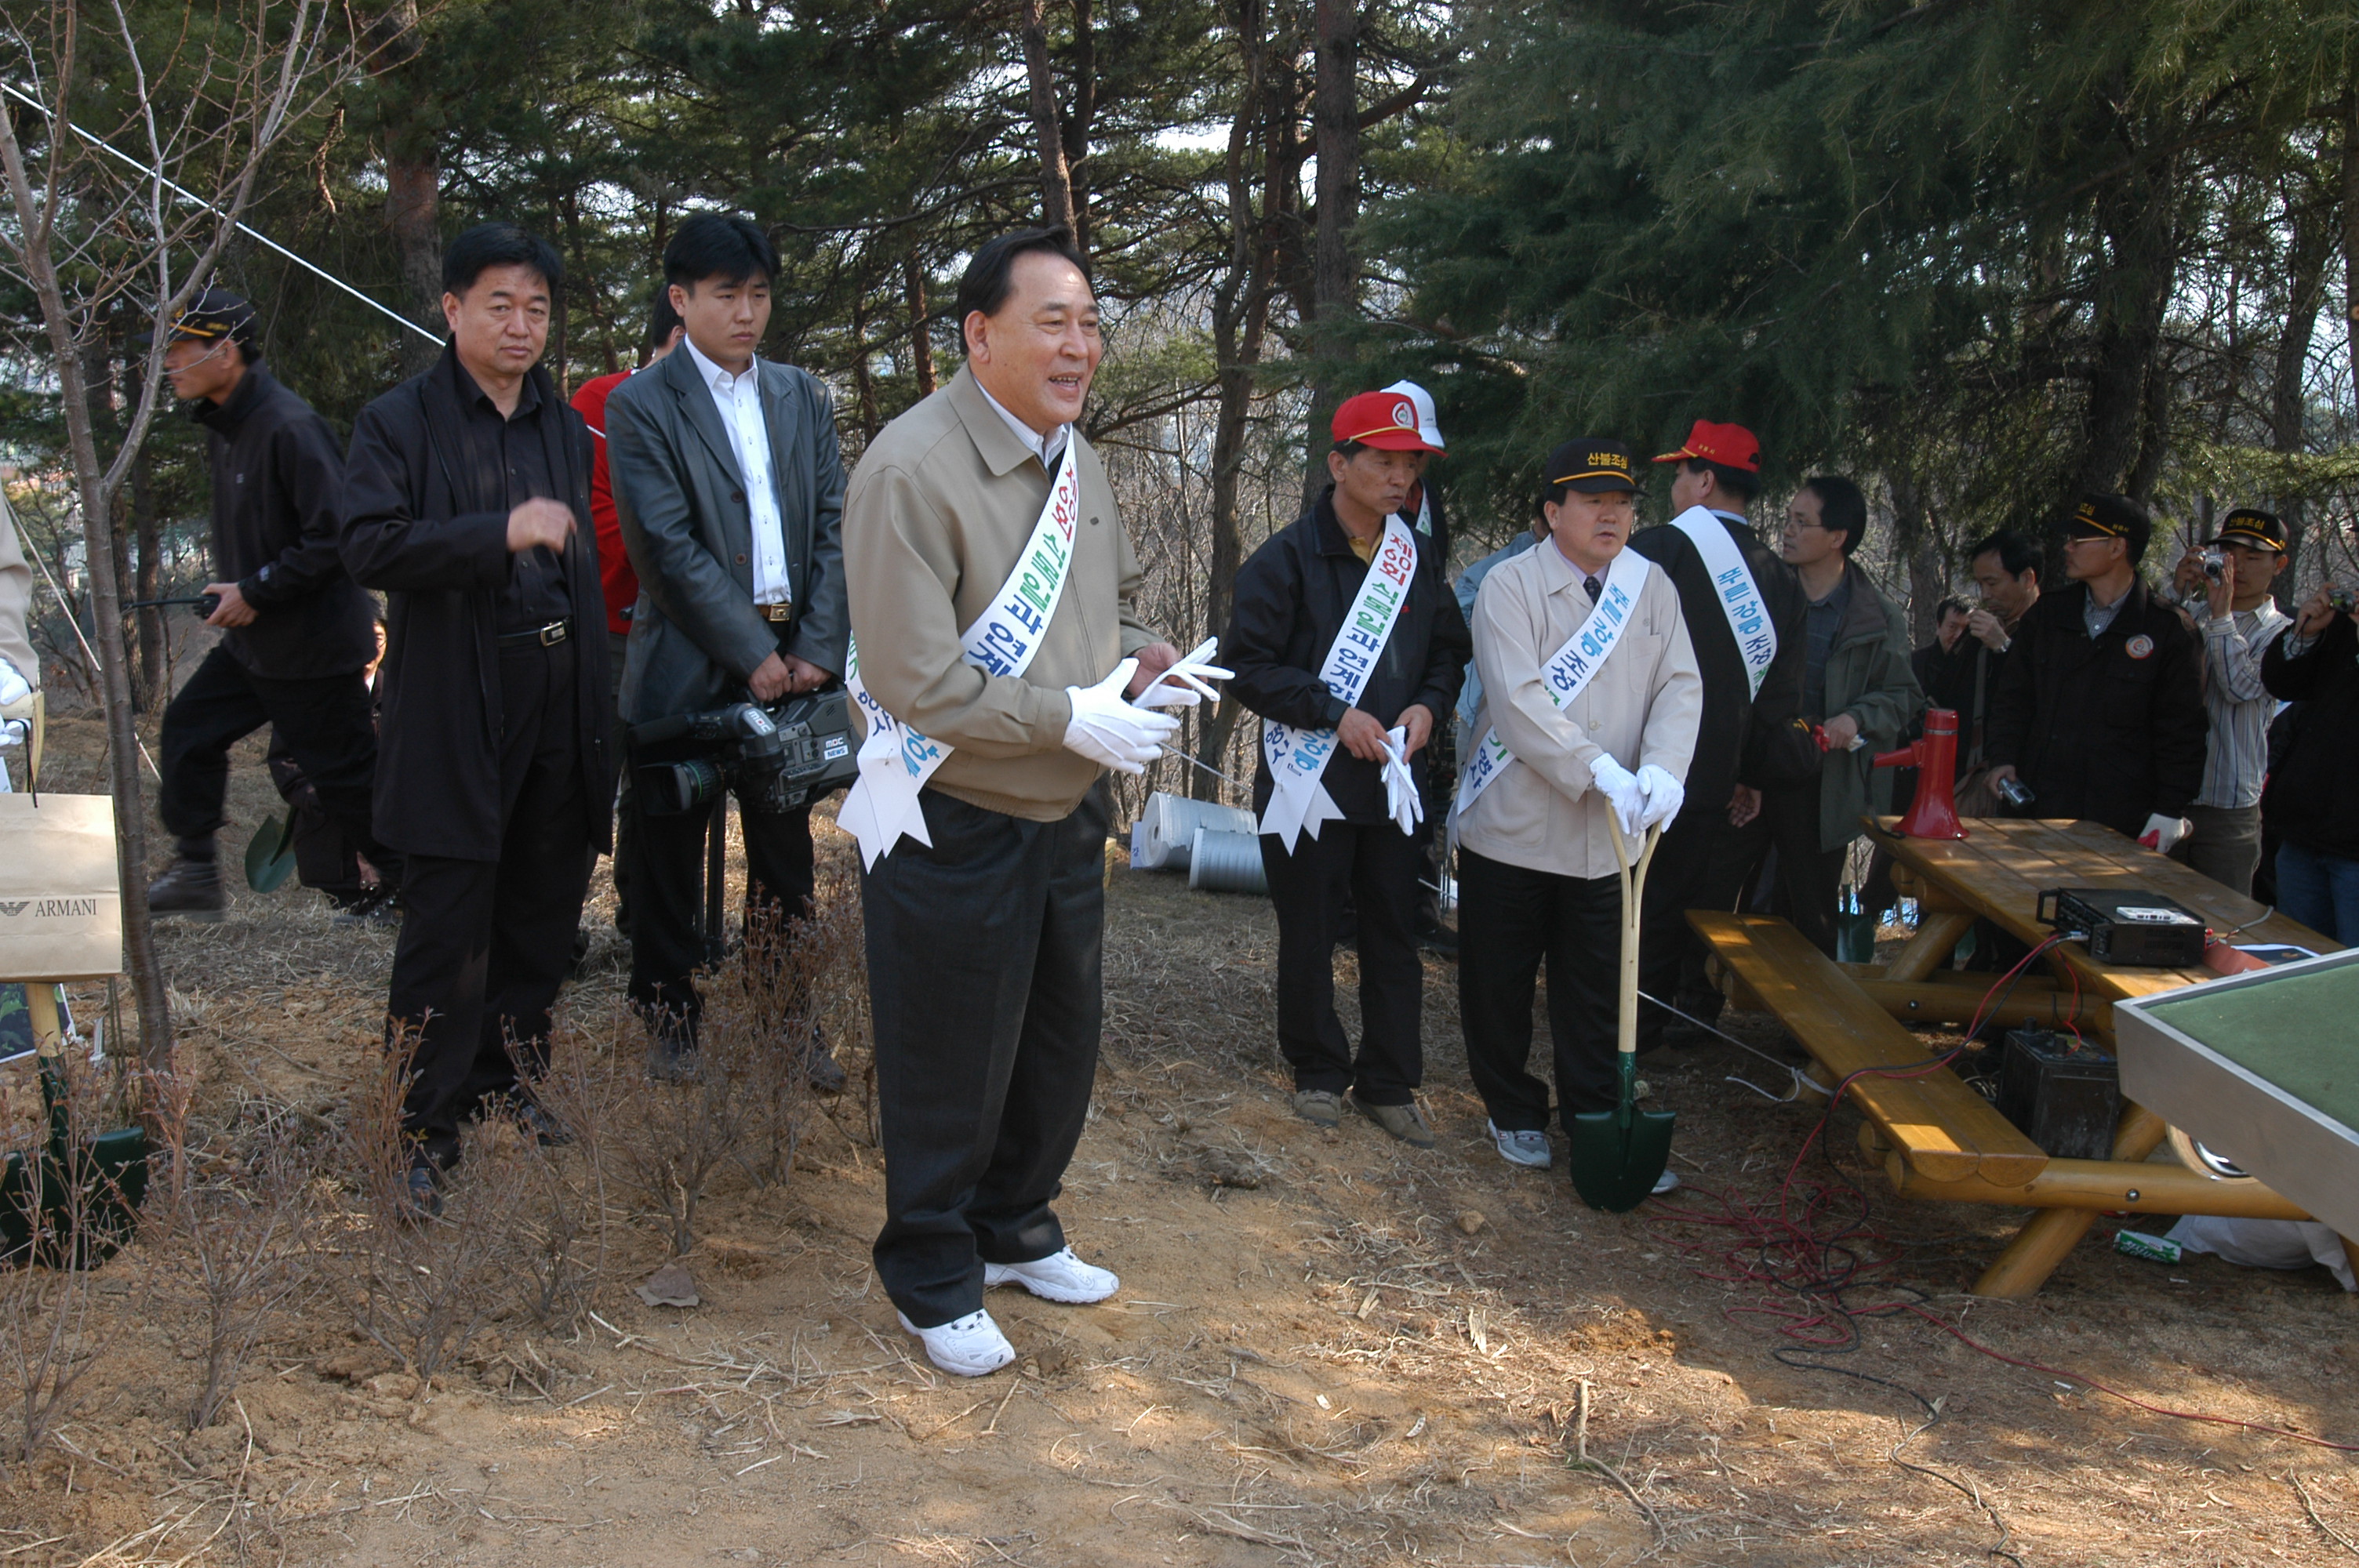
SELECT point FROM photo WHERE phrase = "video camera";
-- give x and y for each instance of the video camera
(777, 757)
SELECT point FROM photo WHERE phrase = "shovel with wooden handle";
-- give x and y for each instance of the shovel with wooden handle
(1618, 1155)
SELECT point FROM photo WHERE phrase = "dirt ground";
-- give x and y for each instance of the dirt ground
(1329, 1347)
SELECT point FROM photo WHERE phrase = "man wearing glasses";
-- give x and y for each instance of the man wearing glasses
(2100, 705)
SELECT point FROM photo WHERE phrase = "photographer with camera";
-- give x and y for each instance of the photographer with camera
(2224, 594)
(729, 486)
(2312, 802)
(2099, 712)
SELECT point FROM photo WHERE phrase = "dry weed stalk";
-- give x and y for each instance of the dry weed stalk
(422, 1288)
(232, 1233)
(565, 1205)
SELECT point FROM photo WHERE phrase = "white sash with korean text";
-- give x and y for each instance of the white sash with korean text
(1733, 585)
(1298, 803)
(1569, 669)
(896, 760)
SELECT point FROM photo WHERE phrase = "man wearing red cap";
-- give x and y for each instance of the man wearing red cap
(1348, 643)
(1744, 612)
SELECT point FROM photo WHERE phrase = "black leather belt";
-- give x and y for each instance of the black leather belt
(547, 636)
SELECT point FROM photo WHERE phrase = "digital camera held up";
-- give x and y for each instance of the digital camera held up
(777, 757)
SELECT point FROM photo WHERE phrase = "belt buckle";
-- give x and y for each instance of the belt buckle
(776, 614)
(552, 633)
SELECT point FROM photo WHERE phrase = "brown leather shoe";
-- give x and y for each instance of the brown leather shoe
(1405, 1123)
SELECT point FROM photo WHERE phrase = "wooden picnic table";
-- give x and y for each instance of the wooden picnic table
(1998, 874)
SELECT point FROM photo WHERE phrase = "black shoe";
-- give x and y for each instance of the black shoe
(190, 888)
(545, 1129)
(821, 1071)
(671, 1046)
(422, 1193)
(379, 904)
(1438, 938)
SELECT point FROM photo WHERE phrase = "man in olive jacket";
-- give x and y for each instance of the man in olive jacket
(467, 501)
(1857, 686)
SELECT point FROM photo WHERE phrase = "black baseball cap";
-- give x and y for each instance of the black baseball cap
(2104, 516)
(2253, 528)
(213, 314)
(1590, 465)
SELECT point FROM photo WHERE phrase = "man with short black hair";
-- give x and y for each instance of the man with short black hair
(296, 630)
(2100, 706)
(467, 499)
(2005, 565)
(1744, 617)
(1857, 690)
(992, 594)
(729, 487)
(1350, 647)
(2224, 588)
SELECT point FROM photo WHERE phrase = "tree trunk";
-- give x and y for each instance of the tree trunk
(1336, 276)
(1920, 555)
(1077, 126)
(2351, 226)
(412, 214)
(2313, 242)
(1056, 177)
(155, 673)
(862, 381)
(2132, 295)
(921, 341)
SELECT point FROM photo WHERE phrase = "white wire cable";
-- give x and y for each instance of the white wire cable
(246, 229)
(74, 621)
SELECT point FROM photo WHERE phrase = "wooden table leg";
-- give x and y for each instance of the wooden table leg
(2050, 1234)
(1936, 934)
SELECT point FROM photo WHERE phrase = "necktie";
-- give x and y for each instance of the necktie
(1594, 587)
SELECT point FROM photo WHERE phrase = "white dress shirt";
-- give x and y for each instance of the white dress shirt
(1048, 449)
(739, 400)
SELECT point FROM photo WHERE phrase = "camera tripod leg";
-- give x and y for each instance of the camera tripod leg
(716, 878)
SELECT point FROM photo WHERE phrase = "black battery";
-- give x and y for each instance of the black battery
(2064, 1094)
(2127, 926)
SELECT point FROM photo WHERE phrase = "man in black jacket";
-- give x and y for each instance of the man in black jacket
(296, 630)
(1349, 645)
(2100, 705)
(728, 483)
(1751, 690)
(2312, 801)
(467, 499)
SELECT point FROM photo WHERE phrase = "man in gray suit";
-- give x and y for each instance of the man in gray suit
(729, 487)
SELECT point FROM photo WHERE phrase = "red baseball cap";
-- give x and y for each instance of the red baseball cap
(1731, 446)
(1385, 420)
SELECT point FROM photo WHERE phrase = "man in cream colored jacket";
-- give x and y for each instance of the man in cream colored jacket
(1591, 734)
(991, 588)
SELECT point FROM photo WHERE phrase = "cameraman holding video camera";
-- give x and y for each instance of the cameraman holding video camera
(728, 482)
(2312, 800)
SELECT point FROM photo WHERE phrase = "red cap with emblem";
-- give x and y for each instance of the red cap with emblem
(1731, 446)
(1386, 420)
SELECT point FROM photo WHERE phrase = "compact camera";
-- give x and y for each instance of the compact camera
(2215, 565)
(777, 757)
(2017, 795)
(2341, 601)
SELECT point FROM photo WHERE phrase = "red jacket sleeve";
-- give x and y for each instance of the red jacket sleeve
(620, 582)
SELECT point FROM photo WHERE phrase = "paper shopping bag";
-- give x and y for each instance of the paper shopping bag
(60, 902)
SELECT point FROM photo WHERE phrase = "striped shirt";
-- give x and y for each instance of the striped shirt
(2239, 704)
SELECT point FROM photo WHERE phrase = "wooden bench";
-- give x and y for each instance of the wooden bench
(1943, 1130)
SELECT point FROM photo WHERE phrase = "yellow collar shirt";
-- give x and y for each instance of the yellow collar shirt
(1543, 812)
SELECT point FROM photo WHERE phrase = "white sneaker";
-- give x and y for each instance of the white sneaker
(968, 1347)
(1058, 1277)
(1526, 1149)
(1667, 1183)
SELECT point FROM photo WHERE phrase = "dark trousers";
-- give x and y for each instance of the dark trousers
(485, 943)
(1702, 862)
(1509, 918)
(663, 865)
(1372, 870)
(985, 985)
(618, 645)
(324, 723)
(1809, 880)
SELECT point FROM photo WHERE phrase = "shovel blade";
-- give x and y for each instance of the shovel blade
(1616, 1167)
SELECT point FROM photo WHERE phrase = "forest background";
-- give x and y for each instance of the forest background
(1982, 255)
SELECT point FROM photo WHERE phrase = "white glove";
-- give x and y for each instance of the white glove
(2163, 832)
(1665, 795)
(1401, 799)
(1621, 792)
(14, 687)
(1189, 682)
(1108, 730)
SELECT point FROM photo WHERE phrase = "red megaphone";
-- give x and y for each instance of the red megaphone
(1934, 813)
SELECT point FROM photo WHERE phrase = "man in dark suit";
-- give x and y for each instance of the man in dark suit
(467, 499)
(729, 486)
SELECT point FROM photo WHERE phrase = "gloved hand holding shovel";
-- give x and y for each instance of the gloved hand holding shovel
(1618, 1155)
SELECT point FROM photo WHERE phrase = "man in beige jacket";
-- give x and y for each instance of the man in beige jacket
(1591, 704)
(991, 588)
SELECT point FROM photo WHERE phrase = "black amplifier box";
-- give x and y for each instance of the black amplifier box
(2126, 926)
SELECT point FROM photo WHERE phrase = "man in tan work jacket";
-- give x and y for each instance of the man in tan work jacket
(1590, 703)
(995, 653)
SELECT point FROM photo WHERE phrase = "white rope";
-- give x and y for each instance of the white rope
(246, 229)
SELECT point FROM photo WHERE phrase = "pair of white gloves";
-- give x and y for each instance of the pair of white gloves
(1116, 732)
(1402, 803)
(1639, 800)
